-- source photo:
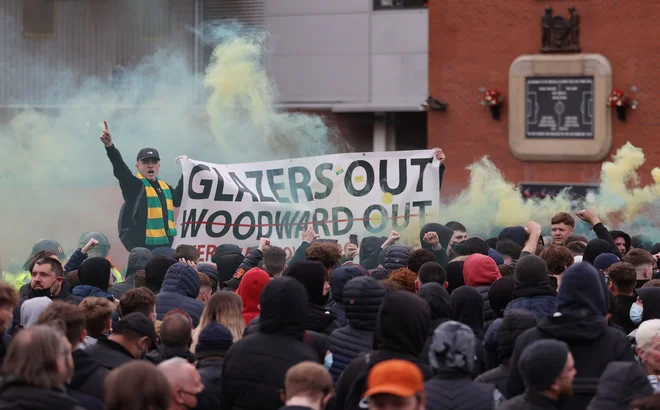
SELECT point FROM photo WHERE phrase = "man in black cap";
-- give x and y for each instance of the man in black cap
(146, 218)
(548, 369)
(131, 339)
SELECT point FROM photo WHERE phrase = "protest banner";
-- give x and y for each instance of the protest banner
(362, 193)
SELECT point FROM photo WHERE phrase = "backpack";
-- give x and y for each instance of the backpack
(354, 400)
(124, 224)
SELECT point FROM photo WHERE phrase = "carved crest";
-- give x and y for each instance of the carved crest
(560, 34)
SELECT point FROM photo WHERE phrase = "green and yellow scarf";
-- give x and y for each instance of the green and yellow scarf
(156, 233)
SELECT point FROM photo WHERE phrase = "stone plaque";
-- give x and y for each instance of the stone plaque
(559, 107)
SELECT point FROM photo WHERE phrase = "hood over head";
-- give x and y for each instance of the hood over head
(616, 234)
(250, 288)
(619, 385)
(227, 259)
(454, 275)
(474, 245)
(378, 273)
(403, 323)
(480, 270)
(283, 308)
(583, 290)
(156, 269)
(137, 260)
(340, 277)
(163, 250)
(651, 300)
(467, 307)
(369, 245)
(495, 256)
(396, 256)
(363, 297)
(438, 299)
(31, 309)
(311, 274)
(453, 348)
(500, 294)
(514, 323)
(594, 248)
(95, 272)
(517, 234)
(444, 234)
(183, 279)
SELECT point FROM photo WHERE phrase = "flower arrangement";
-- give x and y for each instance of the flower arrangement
(618, 98)
(492, 98)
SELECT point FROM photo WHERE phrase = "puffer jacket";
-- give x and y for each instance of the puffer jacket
(620, 384)
(396, 256)
(540, 306)
(210, 369)
(340, 278)
(489, 315)
(86, 291)
(362, 298)
(180, 289)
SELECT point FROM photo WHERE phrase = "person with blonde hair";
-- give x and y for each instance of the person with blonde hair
(225, 308)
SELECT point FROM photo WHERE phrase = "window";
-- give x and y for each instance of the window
(39, 18)
(399, 4)
(156, 18)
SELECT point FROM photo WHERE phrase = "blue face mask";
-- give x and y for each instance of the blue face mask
(636, 313)
(328, 361)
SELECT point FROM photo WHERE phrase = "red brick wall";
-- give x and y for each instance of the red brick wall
(472, 43)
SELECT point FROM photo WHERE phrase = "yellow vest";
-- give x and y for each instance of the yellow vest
(17, 280)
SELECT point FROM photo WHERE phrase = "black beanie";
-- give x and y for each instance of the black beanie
(531, 270)
(95, 272)
(474, 245)
(500, 294)
(542, 362)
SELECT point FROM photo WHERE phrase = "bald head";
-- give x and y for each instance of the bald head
(175, 331)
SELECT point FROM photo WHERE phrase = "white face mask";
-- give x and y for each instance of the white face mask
(328, 361)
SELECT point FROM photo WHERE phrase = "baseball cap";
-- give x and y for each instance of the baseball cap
(139, 323)
(396, 377)
(148, 153)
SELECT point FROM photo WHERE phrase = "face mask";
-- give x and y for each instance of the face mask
(143, 352)
(328, 361)
(636, 313)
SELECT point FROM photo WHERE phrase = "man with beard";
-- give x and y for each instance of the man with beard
(548, 369)
(147, 217)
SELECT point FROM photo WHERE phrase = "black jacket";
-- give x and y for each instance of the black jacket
(453, 391)
(255, 384)
(362, 298)
(340, 277)
(401, 330)
(17, 396)
(162, 353)
(620, 384)
(89, 376)
(180, 289)
(210, 369)
(592, 343)
(622, 316)
(131, 187)
(64, 296)
(530, 401)
(497, 377)
(109, 354)
(318, 341)
(438, 300)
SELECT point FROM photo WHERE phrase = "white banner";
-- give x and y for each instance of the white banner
(367, 194)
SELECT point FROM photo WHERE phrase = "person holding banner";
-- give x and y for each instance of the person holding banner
(146, 218)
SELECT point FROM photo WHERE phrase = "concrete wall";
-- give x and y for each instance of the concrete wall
(342, 51)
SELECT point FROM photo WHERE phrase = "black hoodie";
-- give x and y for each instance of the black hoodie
(651, 300)
(582, 303)
(137, 260)
(251, 383)
(438, 299)
(467, 307)
(620, 384)
(370, 248)
(444, 234)
(401, 330)
(615, 234)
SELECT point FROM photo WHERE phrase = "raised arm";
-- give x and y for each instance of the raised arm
(127, 181)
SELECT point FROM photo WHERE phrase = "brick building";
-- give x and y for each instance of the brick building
(473, 43)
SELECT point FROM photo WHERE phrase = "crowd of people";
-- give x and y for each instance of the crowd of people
(509, 322)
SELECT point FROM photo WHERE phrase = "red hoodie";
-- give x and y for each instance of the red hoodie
(480, 270)
(252, 283)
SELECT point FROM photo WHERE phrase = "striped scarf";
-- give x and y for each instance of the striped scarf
(156, 233)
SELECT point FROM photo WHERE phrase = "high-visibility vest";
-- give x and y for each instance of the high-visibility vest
(18, 279)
